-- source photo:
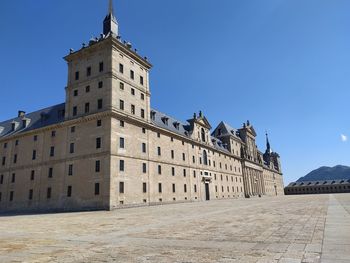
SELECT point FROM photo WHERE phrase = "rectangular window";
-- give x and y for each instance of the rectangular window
(87, 107)
(121, 104)
(99, 123)
(88, 72)
(87, 89)
(3, 161)
(144, 147)
(141, 80)
(159, 169)
(34, 155)
(132, 91)
(5, 145)
(48, 193)
(50, 175)
(121, 165)
(183, 157)
(32, 175)
(122, 124)
(132, 74)
(142, 113)
(69, 191)
(195, 188)
(184, 172)
(0, 196)
(172, 154)
(97, 188)
(71, 148)
(173, 171)
(77, 75)
(132, 109)
(101, 67)
(159, 187)
(159, 151)
(30, 197)
(144, 187)
(52, 151)
(15, 158)
(144, 168)
(100, 84)
(72, 129)
(35, 138)
(185, 188)
(121, 68)
(121, 143)
(16, 142)
(142, 96)
(99, 104)
(97, 166)
(11, 196)
(121, 187)
(13, 178)
(75, 111)
(98, 143)
(174, 188)
(2, 179)
(70, 170)
(53, 133)
(121, 86)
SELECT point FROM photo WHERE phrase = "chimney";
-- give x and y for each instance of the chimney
(21, 113)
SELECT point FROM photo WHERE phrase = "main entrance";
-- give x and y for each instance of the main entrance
(207, 193)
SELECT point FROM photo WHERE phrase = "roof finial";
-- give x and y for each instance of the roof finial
(268, 147)
(110, 24)
(110, 9)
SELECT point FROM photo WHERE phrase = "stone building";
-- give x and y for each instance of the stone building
(318, 187)
(105, 147)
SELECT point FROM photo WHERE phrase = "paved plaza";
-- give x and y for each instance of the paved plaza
(314, 228)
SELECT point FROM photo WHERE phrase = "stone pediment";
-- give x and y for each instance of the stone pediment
(203, 122)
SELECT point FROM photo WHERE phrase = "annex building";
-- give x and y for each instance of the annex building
(106, 147)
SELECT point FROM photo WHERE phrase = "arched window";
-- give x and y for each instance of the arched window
(203, 134)
(205, 157)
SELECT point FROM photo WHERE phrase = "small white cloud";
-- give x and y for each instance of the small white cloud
(344, 138)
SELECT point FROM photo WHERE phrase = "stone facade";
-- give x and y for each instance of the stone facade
(106, 148)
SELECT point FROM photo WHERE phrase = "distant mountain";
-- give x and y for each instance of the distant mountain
(327, 173)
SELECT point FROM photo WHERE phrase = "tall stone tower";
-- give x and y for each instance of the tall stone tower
(106, 74)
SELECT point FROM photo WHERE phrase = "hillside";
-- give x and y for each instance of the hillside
(327, 173)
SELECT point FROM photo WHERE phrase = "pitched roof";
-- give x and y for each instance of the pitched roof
(319, 183)
(169, 123)
(35, 120)
(226, 129)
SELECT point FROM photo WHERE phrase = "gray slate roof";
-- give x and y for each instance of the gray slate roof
(35, 120)
(226, 129)
(319, 183)
(166, 122)
(53, 115)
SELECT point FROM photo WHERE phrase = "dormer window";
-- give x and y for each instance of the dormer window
(165, 120)
(14, 125)
(153, 115)
(24, 123)
(177, 125)
(219, 132)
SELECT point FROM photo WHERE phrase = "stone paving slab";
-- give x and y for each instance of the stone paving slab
(286, 229)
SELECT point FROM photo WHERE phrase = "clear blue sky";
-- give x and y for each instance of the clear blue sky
(282, 64)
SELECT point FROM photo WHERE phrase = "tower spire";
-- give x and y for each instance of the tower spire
(268, 147)
(110, 24)
(110, 9)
